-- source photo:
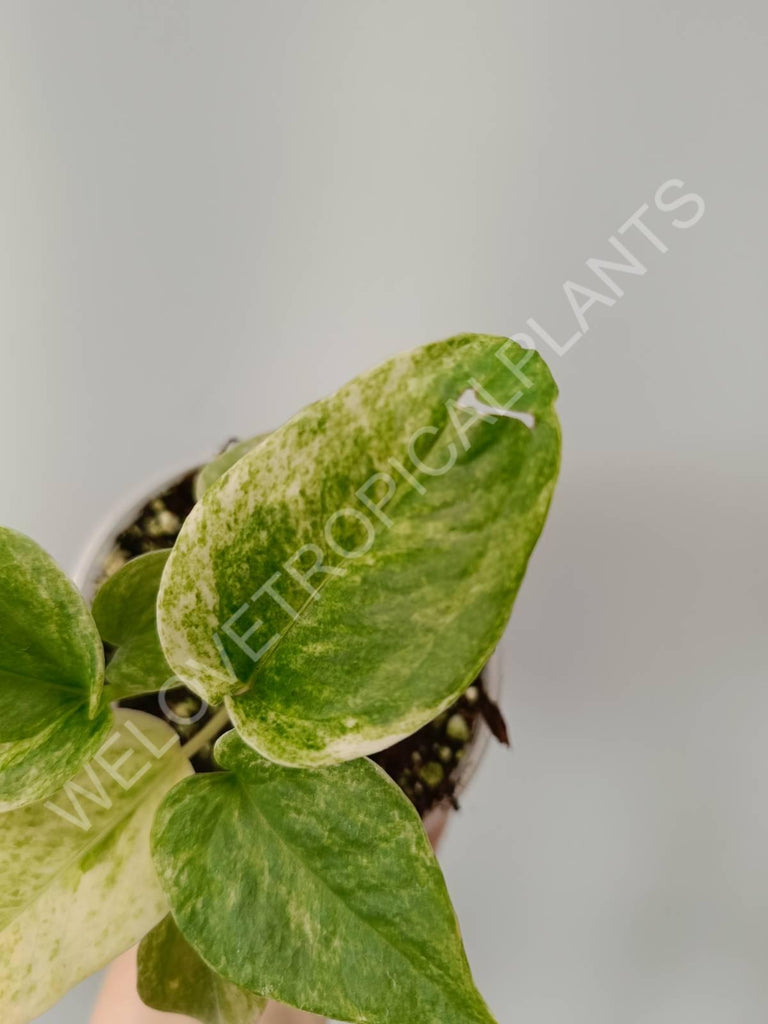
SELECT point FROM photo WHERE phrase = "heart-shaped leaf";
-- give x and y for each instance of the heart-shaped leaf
(347, 579)
(318, 888)
(124, 610)
(173, 978)
(77, 884)
(51, 675)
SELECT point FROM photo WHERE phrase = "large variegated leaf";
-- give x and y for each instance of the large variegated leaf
(318, 888)
(51, 675)
(173, 978)
(124, 610)
(217, 467)
(77, 884)
(344, 581)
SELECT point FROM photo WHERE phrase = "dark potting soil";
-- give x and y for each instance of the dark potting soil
(425, 765)
(157, 525)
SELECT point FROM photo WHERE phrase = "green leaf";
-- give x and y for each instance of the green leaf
(217, 467)
(51, 674)
(318, 888)
(77, 884)
(124, 610)
(33, 768)
(173, 978)
(49, 646)
(397, 630)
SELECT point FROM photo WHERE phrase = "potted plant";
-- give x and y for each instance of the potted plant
(336, 589)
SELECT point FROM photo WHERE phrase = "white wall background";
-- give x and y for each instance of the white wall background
(212, 213)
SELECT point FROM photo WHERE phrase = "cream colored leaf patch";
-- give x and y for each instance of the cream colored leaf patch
(77, 884)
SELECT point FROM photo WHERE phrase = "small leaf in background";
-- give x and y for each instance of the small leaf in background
(77, 884)
(51, 674)
(173, 978)
(124, 610)
(347, 579)
(217, 467)
(318, 888)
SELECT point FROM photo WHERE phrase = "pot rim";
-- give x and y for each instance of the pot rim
(120, 515)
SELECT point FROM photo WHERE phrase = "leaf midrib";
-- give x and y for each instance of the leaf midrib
(43, 735)
(63, 685)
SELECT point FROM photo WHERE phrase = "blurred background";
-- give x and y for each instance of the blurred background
(212, 214)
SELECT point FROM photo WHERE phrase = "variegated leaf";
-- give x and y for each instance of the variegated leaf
(317, 888)
(173, 978)
(344, 581)
(124, 610)
(51, 675)
(32, 769)
(217, 467)
(77, 884)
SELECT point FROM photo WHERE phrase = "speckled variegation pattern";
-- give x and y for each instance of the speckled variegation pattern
(318, 888)
(124, 610)
(391, 642)
(217, 467)
(73, 898)
(51, 675)
(173, 978)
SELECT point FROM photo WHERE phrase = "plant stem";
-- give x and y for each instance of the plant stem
(209, 730)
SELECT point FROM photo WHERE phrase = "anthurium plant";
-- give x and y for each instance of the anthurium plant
(339, 583)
